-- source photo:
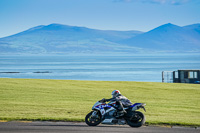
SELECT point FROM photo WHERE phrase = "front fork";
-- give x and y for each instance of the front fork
(94, 114)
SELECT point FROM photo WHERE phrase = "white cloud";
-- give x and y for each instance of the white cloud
(171, 2)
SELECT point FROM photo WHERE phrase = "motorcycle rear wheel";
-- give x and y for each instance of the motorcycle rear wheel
(90, 121)
(137, 121)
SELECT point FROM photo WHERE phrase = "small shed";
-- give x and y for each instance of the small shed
(186, 76)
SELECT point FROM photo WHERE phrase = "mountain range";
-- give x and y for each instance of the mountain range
(57, 38)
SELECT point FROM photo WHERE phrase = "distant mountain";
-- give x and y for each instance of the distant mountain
(168, 37)
(195, 27)
(57, 38)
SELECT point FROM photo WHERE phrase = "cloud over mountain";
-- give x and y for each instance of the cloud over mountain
(170, 2)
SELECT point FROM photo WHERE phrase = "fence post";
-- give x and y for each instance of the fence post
(163, 76)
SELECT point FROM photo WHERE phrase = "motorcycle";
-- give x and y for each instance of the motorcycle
(107, 114)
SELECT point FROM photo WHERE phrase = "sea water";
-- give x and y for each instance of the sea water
(96, 67)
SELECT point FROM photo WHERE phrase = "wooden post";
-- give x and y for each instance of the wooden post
(163, 79)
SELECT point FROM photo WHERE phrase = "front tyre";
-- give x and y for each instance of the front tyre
(137, 120)
(93, 120)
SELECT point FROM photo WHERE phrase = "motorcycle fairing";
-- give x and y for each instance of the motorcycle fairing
(137, 106)
(102, 107)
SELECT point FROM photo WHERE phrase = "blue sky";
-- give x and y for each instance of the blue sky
(142, 15)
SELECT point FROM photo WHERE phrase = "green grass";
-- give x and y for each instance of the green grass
(71, 100)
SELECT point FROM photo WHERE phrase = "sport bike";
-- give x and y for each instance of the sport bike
(107, 114)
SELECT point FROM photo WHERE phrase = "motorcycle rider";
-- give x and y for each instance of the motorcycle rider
(121, 101)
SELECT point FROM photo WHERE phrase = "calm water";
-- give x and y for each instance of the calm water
(104, 68)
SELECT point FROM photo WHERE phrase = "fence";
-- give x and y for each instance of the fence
(167, 76)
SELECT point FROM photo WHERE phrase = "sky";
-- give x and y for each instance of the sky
(143, 15)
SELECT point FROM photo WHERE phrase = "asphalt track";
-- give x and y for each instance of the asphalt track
(74, 127)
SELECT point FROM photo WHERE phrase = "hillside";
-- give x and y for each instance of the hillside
(168, 37)
(57, 38)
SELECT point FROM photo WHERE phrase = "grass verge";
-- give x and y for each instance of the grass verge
(71, 100)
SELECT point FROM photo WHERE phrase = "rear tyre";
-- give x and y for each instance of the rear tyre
(137, 120)
(93, 120)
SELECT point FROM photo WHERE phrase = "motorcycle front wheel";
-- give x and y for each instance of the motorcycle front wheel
(137, 120)
(93, 120)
